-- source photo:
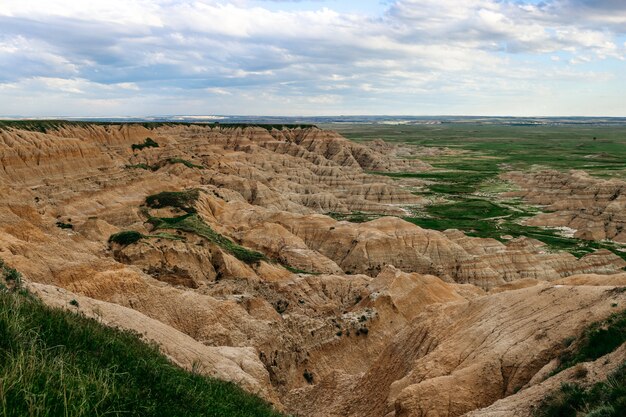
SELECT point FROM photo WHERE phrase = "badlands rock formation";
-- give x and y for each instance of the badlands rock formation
(257, 285)
(595, 208)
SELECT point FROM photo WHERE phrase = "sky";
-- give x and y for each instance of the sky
(112, 58)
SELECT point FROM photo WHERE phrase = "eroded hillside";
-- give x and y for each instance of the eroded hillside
(223, 254)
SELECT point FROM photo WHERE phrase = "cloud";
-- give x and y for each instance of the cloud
(418, 56)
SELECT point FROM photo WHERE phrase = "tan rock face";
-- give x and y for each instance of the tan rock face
(379, 318)
(366, 248)
(593, 207)
(457, 357)
(523, 403)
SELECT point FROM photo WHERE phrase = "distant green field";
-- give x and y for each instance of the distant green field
(464, 189)
(559, 147)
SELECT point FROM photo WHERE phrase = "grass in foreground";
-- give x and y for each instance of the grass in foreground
(603, 399)
(57, 363)
(596, 341)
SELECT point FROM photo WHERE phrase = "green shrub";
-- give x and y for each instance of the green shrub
(9, 276)
(362, 331)
(63, 225)
(308, 376)
(281, 306)
(127, 237)
(148, 143)
(184, 200)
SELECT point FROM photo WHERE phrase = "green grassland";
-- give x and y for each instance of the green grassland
(558, 147)
(464, 189)
(58, 363)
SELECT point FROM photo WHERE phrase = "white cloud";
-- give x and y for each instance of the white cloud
(130, 50)
(218, 91)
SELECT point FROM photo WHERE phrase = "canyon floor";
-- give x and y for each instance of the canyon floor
(379, 271)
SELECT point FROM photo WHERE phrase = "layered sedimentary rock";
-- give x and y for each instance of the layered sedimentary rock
(331, 318)
(365, 248)
(457, 357)
(594, 208)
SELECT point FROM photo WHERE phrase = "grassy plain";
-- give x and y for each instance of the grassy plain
(464, 188)
(558, 147)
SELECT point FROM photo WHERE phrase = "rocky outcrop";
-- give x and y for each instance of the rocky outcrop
(525, 402)
(366, 248)
(594, 208)
(457, 357)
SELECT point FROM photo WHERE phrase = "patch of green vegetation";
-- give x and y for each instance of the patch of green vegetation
(299, 271)
(58, 363)
(183, 200)
(186, 163)
(161, 164)
(354, 217)
(129, 237)
(63, 225)
(454, 182)
(192, 223)
(474, 209)
(163, 235)
(479, 153)
(599, 339)
(308, 376)
(481, 218)
(560, 147)
(603, 399)
(9, 277)
(125, 238)
(148, 143)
